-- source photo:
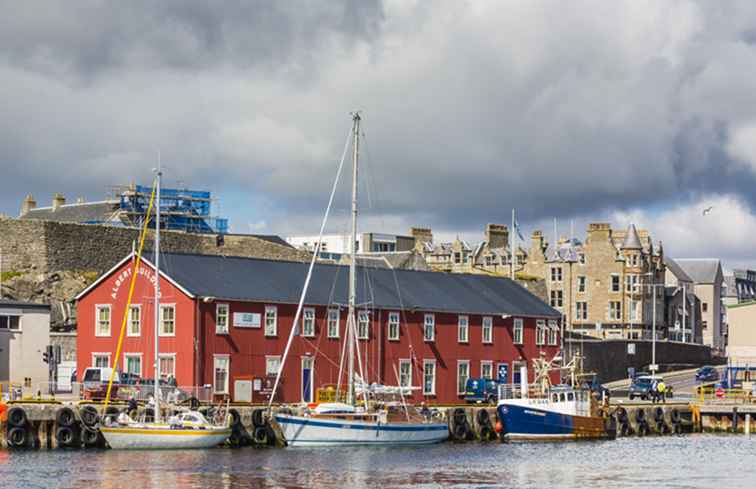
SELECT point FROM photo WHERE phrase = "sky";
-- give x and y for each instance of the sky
(586, 111)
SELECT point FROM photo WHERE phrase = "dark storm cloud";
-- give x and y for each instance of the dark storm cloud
(470, 109)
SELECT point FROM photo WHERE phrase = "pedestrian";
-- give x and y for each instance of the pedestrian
(654, 391)
(662, 390)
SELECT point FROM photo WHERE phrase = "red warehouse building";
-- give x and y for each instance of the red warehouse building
(227, 319)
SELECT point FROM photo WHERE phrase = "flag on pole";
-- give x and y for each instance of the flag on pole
(517, 230)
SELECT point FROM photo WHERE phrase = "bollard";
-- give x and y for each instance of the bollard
(734, 420)
(748, 424)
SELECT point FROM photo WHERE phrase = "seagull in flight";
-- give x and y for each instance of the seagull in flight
(707, 210)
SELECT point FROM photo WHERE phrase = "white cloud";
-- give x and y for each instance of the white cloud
(741, 144)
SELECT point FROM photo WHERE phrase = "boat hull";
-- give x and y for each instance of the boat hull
(122, 438)
(301, 431)
(528, 423)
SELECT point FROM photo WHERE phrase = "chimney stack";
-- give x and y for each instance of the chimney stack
(537, 241)
(497, 235)
(57, 201)
(600, 231)
(28, 204)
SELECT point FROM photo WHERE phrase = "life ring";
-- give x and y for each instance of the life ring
(719, 393)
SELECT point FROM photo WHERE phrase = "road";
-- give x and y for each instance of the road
(683, 383)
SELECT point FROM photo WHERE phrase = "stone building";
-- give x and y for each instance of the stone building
(682, 312)
(708, 279)
(605, 287)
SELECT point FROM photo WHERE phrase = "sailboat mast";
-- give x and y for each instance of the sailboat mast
(350, 336)
(157, 294)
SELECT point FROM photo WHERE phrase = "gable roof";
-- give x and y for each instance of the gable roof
(259, 280)
(676, 270)
(701, 270)
(79, 212)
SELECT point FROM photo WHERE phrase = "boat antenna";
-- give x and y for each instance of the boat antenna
(314, 258)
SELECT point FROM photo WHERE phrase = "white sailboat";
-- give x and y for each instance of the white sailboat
(347, 423)
(188, 429)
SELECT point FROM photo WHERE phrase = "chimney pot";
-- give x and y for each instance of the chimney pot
(28, 204)
(58, 200)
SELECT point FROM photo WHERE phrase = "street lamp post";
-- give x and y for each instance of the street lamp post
(653, 367)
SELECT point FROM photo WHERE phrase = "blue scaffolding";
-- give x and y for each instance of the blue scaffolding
(180, 209)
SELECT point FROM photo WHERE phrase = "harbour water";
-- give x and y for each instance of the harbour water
(689, 461)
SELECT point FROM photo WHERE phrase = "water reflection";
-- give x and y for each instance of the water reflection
(697, 461)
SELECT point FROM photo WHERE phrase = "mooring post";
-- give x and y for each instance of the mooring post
(735, 420)
(748, 424)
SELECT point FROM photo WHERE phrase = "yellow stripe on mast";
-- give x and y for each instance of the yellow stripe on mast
(131, 293)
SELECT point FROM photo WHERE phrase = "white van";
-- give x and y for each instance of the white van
(95, 377)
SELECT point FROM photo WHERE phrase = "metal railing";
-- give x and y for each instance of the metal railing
(729, 396)
(144, 392)
(10, 391)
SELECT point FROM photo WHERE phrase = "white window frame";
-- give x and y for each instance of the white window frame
(269, 330)
(394, 322)
(614, 314)
(429, 324)
(172, 357)
(489, 364)
(100, 354)
(227, 358)
(486, 329)
(540, 332)
(272, 357)
(218, 307)
(463, 329)
(405, 362)
(103, 307)
(631, 283)
(518, 331)
(126, 357)
(462, 386)
(584, 316)
(432, 391)
(556, 274)
(333, 333)
(308, 322)
(163, 308)
(363, 325)
(130, 321)
(632, 310)
(551, 335)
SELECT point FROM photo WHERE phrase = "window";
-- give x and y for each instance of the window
(429, 377)
(487, 330)
(463, 373)
(272, 365)
(405, 373)
(168, 320)
(517, 331)
(581, 283)
(363, 325)
(10, 322)
(615, 310)
(633, 260)
(101, 360)
(631, 283)
(556, 274)
(553, 328)
(704, 324)
(167, 367)
(132, 363)
(457, 257)
(135, 321)
(614, 283)
(308, 322)
(633, 312)
(271, 320)
(393, 326)
(221, 319)
(463, 329)
(102, 328)
(556, 298)
(581, 311)
(429, 327)
(540, 332)
(581, 258)
(333, 323)
(704, 306)
(486, 369)
(220, 380)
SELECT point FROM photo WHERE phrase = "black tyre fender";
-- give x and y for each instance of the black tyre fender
(17, 437)
(640, 415)
(631, 396)
(460, 431)
(459, 416)
(89, 436)
(65, 436)
(17, 417)
(235, 418)
(65, 416)
(258, 420)
(89, 415)
(483, 418)
(261, 435)
(193, 403)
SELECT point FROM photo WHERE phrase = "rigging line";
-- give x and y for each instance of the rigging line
(319, 351)
(309, 271)
(371, 314)
(367, 174)
(414, 364)
(376, 206)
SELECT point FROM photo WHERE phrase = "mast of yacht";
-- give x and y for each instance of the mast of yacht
(351, 336)
(157, 294)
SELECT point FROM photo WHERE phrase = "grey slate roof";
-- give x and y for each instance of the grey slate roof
(86, 212)
(632, 240)
(701, 270)
(11, 303)
(676, 270)
(731, 289)
(253, 279)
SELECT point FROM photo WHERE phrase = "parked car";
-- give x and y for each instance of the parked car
(707, 374)
(130, 379)
(482, 390)
(95, 382)
(642, 385)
